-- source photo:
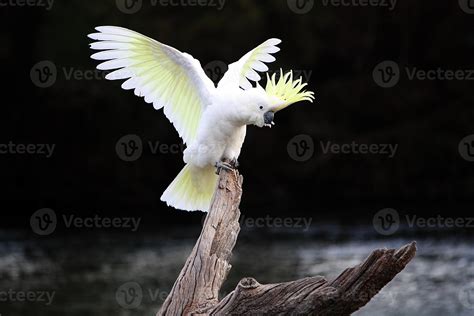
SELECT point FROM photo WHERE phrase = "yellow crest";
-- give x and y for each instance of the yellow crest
(286, 90)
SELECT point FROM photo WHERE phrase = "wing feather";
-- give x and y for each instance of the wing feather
(250, 64)
(164, 76)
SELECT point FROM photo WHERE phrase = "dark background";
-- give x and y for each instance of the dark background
(339, 195)
(340, 46)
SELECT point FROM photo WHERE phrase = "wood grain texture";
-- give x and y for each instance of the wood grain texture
(351, 290)
(197, 288)
(198, 284)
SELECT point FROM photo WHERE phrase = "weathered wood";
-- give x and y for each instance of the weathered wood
(197, 287)
(351, 290)
(198, 284)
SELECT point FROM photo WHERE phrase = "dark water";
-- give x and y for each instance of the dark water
(131, 274)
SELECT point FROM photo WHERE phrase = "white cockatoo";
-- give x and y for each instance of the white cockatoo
(211, 120)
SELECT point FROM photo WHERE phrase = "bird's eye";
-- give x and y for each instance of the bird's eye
(261, 107)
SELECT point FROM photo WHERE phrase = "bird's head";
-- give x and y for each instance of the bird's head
(262, 104)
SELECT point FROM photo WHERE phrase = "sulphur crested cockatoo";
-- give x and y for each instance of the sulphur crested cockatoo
(211, 120)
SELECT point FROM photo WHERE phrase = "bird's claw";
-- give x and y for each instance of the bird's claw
(235, 163)
(229, 166)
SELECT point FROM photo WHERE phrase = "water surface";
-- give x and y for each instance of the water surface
(112, 273)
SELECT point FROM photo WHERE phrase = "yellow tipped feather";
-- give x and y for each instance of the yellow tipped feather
(192, 189)
(286, 90)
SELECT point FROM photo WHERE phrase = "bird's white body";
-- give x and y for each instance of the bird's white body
(211, 120)
(220, 134)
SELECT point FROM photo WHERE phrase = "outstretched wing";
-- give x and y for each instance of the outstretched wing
(163, 75)
(246, 68)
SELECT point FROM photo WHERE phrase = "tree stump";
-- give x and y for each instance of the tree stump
(196, 291)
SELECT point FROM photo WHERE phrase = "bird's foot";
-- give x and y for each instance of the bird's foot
(235, 163)
(229, 166)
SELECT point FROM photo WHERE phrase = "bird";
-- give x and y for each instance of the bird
(211, 119)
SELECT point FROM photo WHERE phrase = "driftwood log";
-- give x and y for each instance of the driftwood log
(196, 291)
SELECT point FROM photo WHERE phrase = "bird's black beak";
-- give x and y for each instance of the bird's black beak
(268, 117)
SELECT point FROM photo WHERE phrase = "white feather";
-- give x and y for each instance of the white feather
(254, 60)
(110, 45)
(120, 74)
(113, 54)
(208, 119)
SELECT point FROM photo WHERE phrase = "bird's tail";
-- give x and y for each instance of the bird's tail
(192, 189)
